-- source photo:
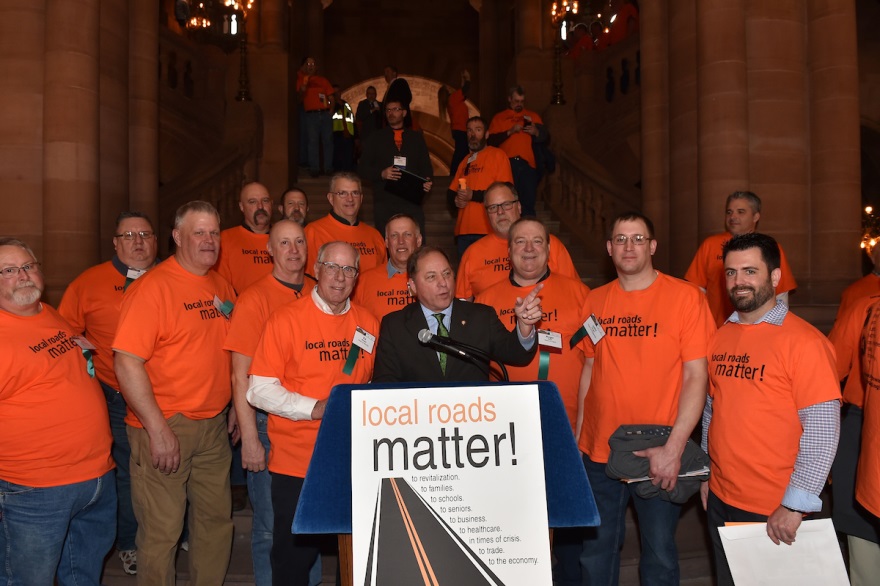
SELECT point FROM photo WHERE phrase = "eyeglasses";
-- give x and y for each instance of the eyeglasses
(144, 234)
(12, 272)
(347, 193)
(504, 205)
(394, 109)
(636, 239)
(333, 269)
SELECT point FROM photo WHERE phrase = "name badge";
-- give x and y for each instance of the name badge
(224, 307)
(363, 339)
(399, 161)
(134, 274)
(472, 158)
(83, 343)
(550, 339)
(594, 329)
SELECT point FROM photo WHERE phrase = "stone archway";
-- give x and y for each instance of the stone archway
(425, 108)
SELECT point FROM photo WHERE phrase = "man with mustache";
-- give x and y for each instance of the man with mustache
(772, 417)
(176, 377)
(91, 304)
(294, 205)
(56, 474)
(244, 259)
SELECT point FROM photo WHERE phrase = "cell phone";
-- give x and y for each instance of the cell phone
(527, 123)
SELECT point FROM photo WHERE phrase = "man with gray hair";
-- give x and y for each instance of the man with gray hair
(91, 304)
(176, 379)
(56, 475)
(308, 346)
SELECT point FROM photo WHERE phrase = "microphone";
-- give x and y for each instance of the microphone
(426, 337)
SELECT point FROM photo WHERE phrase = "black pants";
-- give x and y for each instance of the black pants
(292, 555)
(720, 513)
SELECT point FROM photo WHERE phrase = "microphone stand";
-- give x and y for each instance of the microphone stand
(476, 352)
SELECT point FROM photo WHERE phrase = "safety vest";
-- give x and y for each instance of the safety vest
(343, 115)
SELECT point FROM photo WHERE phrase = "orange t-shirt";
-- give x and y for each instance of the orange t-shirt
(760, 375)
(638, 366)
(253, 308)
(865, 287)
(707, 271)
(381, 295)
(458, 111)
(243, 257)
(489, 166)
(366, 239)
(91, 304)
(868, 477)
(620, 28)
(561, 299)
(846, 336)
(318, 90)
(518, 144)
(168, 319)
(54, 427)
(487, 262)
(306, 350)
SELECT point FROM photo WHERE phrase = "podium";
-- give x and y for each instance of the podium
(325, 501)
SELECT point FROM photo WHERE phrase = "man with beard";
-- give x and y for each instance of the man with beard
(58, 498)
(484, 166)
(91, 304)
(243, 258)
(707, 269)
(175, 377)
(515, 131)
(383, 289)
(645, 364)
(487, 261)
(288, 282)
(772, 418)
(294, 205)
(386, 154)
(308, 347)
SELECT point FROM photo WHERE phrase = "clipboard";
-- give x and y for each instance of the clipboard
(410, 186)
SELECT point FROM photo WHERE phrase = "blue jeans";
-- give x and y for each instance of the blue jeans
(60, 531)
(658, 519)
(525, 179)
(319, 133)
(126, 524)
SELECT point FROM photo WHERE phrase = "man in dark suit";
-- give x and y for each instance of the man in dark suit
(400, 357)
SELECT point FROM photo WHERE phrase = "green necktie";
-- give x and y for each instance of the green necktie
(441, 331)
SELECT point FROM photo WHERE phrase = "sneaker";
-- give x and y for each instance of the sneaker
(129, 561)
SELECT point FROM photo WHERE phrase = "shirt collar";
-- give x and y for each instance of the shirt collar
(515, 284)
(323, 306)
(123, 269)
(775, 316)
(432, 323)
(393, 270)
(342, 220)
(295, 287)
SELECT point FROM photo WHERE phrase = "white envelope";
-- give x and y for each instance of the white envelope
(813, 559)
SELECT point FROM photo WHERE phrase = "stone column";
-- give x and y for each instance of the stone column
(114, 181)
(143, 105)
(723, 107)
(655, 124)
(70, 142)
(835, 209)
(528, 24)
(683, 135)
(22, 29)
(271, 18)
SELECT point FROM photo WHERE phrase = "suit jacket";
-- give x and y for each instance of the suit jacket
(400, 357)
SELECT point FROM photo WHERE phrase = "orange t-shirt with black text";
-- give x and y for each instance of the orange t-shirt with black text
(253, 308)
(487, 262)
(518, 144)
(846, 337)
(707, 271)
(91, 304)
(243, 257)
(865, 287)
(365, 239)
(868, 475)
(381, 295)
(54, 428)
(306, 350)
(760, 375)
(489, 165)
(168, 319)
(562, 299)
(639, 363)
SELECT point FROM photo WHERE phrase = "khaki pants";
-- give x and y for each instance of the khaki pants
(159, 502)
